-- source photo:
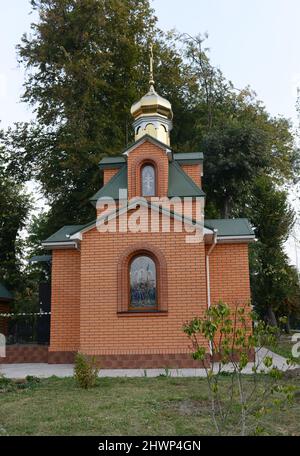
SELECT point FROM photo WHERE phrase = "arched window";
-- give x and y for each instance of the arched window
(148, 180)
(142, 279)
(150, 129)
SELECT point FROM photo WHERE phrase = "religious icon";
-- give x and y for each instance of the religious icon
(143, 283)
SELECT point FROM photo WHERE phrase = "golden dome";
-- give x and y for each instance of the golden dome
(151, 104)
(152, 113)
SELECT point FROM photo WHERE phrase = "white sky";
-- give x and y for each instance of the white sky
(254, 43)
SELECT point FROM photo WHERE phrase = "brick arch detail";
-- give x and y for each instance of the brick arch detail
(136, 168)
(123, 271)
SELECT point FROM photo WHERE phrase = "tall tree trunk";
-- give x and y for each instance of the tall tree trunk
(226, 209)
(271, 317)
(288, 325)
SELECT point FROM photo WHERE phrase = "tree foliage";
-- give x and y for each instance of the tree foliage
(274, 282)
(15, 205)
(87, 63)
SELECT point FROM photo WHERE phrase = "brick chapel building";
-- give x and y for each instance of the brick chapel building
(124, 294)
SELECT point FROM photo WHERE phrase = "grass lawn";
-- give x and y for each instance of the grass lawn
(121, 406)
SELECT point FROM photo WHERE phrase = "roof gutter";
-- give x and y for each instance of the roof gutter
(60, 245)
(236, 239)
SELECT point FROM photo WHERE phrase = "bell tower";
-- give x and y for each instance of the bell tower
(152, 113)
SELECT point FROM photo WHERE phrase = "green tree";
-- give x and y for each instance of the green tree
(272, 276)
(87, 62)
(15, 205)
(290, 303)
(240, 140)
(234, 154)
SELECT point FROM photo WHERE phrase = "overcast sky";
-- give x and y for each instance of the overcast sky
(254, 43)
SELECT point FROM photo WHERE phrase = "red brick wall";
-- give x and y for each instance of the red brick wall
(229, 273)
(194, 172)
(25, 354)
(103, 331)
(135, 340)
(65, 300)
(108, 174)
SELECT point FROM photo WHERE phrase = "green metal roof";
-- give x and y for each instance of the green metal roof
(188, 158)
(111, 189)
(112, 162)
(230, 227)
(40, 259)
(4, 293)
(63, 235)
(180, 184)
(226, 228)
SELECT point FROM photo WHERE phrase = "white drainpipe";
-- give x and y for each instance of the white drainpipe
(208, 276)
(207, 266)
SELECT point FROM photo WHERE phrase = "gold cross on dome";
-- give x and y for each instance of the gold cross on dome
(151, 81)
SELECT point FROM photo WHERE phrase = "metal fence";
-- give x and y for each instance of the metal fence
(31, 328)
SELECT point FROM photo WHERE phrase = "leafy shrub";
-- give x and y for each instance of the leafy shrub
(85, 371)
(233, 335)
(6, 384)
(32, 379)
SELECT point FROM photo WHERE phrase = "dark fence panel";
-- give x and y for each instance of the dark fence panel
(43, 324)
(32, 328)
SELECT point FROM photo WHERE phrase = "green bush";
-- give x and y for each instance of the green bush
(5, 383)
(233, 335)
(8, 385)
(85, 371)
(32, 379)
